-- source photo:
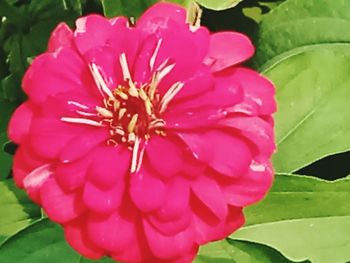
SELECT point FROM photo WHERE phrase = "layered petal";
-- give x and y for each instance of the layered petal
(227, 49)
(59, 205)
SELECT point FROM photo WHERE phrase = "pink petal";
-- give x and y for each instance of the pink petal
(227, 49)
(77, 147)
(107, 61)
(147, 191)
(67, 72)
(90, 27)
(109, 165)
(119, 22)
(177, 200)
(61, 207)
(111, 232)
(48, 137)
(142, 70)
(159, 15)
(224, 94)
(251, 187)
(200, 82)
(103, 200)
(254, 129)
(190, 119)
(208, 191)
(207, 229)
(169, 228)
(231, 155)
(165, 247)
(24, 162)
(20, 123)
(76, 235)
(71, 176)
(164, 155)
(258, 90)
(106, 34)
(35, 179)
(62, 36)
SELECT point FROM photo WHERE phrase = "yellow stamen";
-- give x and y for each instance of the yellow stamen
(121, 113)
(104, 112)
(132, 123)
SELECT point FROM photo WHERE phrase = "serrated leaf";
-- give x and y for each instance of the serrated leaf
(17, 211)
(303, 218)
(233, 251)
(218, 5)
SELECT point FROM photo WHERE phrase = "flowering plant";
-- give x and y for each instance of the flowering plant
(146, 137)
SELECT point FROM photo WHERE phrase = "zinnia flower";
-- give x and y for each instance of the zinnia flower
(144, 141)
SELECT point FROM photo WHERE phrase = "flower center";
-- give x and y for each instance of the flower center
(132, 112)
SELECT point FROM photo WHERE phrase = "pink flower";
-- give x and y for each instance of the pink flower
(144, 141)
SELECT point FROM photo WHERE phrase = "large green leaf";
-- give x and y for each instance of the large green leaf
(304, 47)
(135, 8)
(321, 240)
(43, 241)
(303, 218)
(17, 211)
(313, 97)
(296, 24)
(298, 197)
(234, 251)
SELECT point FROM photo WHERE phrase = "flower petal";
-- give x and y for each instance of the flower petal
(208, 191)
(258, 91)
(227, 49)
(62, 36)
(71, 176)
(60, 206)
(109, 165)
(67, 73)
(111, 232)
(76, 235)
(103, 200)
(164, 155)
(20, 123)
(254, 129)
(158, 16)
(165, 247)
(251, 187)
(147, 191)
(231, 155)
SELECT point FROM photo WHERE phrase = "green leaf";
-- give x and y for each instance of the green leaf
(17, 211)
(299, 45)
(135, 8)
(218, 5)
(296, 24)
(29, 37)
(5, 158)
(321, 240)
(313, 112)
(298, 197)
(6, 109)
(233, 251)
(303, 218)
(43, 241)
